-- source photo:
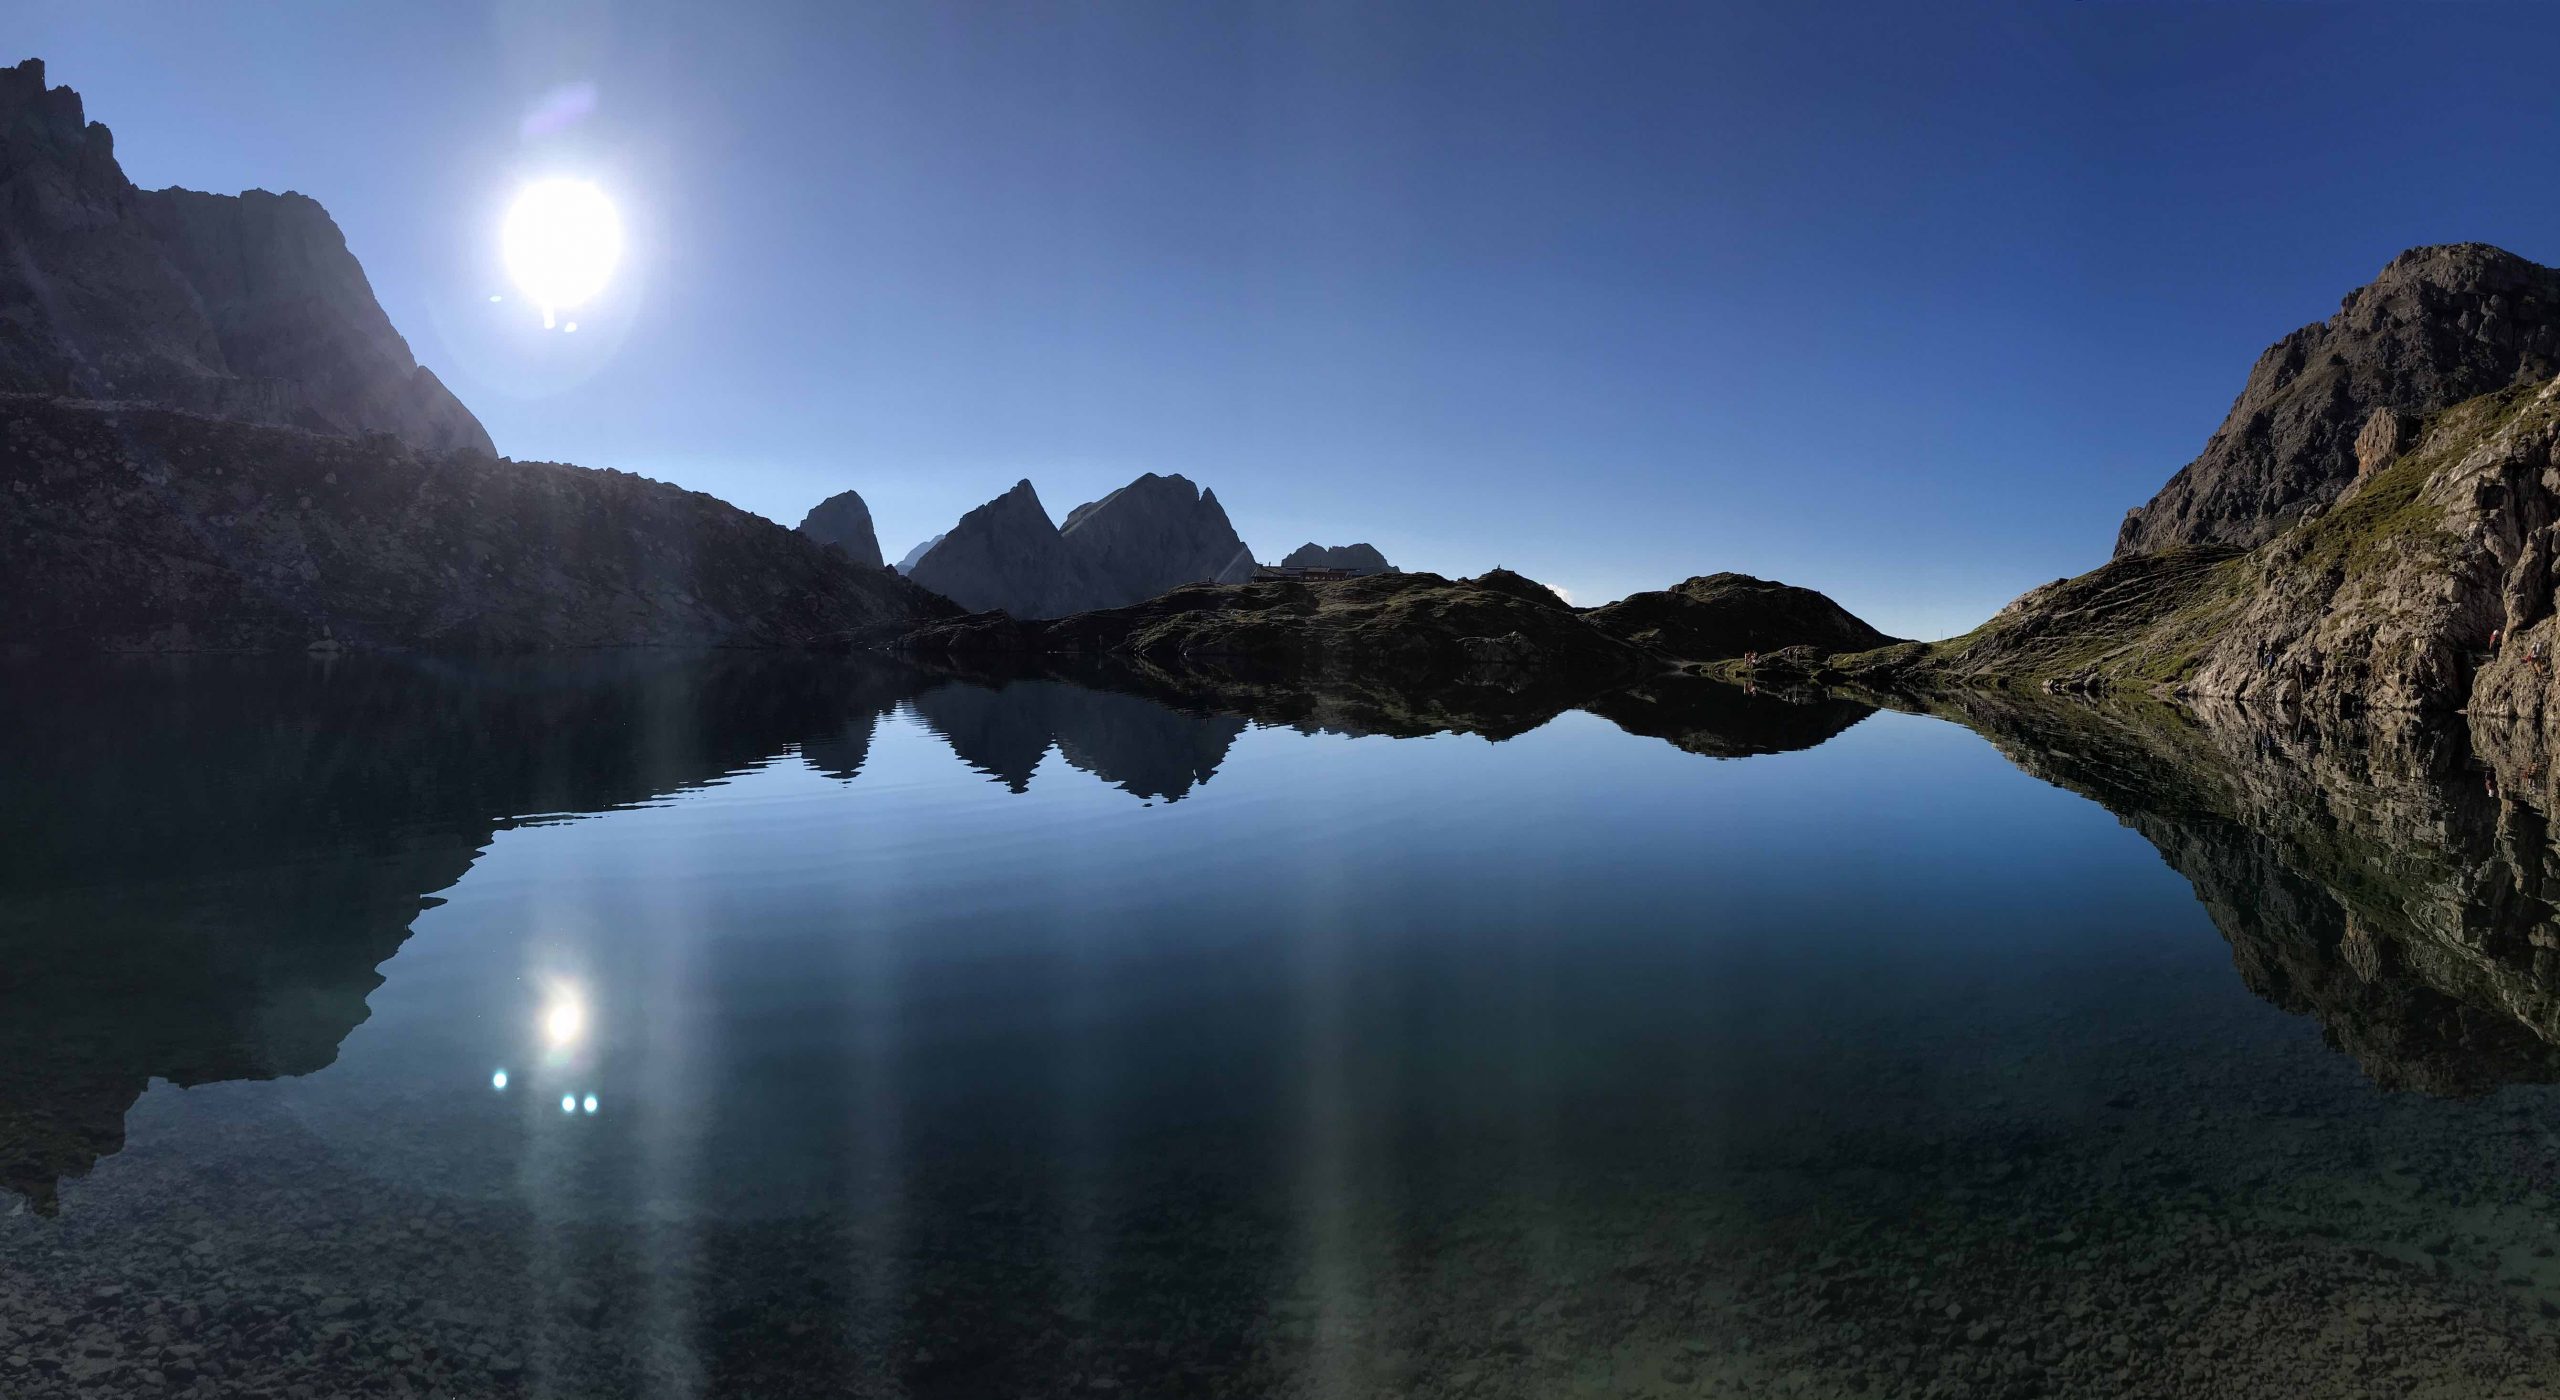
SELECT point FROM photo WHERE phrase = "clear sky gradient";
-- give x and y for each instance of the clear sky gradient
(1904, 302)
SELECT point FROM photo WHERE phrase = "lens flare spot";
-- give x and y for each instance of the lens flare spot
(590, 1104)
(498, 1080)
(568, 1103)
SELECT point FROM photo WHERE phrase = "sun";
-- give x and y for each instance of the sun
(562, 239)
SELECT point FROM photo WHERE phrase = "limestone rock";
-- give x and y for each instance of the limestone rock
(246, 306)
(1006, 556)
(2439, 326)
(1154, 534)
(844, 521)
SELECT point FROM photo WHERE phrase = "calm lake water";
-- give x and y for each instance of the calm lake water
(732, 1027)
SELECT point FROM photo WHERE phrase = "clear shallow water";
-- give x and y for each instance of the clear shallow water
(948, 1040)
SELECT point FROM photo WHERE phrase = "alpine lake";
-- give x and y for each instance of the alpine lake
(664, 1025)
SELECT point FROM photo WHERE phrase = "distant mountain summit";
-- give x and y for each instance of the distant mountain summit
(239, 306)
(844, 521)
(2331, 401)
(1152, 535)
(1007, 556)
(907, 563)
(1357, 559)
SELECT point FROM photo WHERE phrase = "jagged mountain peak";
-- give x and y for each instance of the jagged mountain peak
(242, 306)
(843, 520)
(2440, 325)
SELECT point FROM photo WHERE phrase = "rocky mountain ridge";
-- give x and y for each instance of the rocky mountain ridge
(1154, 534)
(1355, 558)
(241, 306)
(131, 528)
(2438, 326)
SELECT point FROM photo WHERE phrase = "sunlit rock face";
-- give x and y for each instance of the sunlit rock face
(2394, 881)
(844, 521)
(242, 306)
(2438, 326)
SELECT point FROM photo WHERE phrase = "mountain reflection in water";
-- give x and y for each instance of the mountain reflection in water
(293, 817)
(1575, 1063)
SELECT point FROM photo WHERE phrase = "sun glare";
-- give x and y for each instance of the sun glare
(565, 1021)
(562, 239)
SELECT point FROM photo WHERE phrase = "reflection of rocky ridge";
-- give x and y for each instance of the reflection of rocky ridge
(1134, 744)
(206, 862)
(2372, 878)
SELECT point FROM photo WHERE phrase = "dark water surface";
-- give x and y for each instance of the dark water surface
(947, 1040)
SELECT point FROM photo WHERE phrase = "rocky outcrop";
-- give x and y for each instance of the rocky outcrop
(246, 306)
(148, 529)
(844, 521)
(1499, 630)
(1358, 559)
(1156, 533)
(2439, 326)
(2385, 601)
(1719, 616)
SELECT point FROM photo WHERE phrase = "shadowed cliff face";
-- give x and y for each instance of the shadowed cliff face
(145, 529)
(2380, 879)
(240, 306)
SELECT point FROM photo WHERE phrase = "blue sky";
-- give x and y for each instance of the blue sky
(1904, 302)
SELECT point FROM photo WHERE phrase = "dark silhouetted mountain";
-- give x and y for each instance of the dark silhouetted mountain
(1405, 629)
(147, 529)
(1358, 558)
(2335, 400)
(1006, 556)
(1156, 533)
(227, 447)
(844, 521)
(1726, 615)
(246, 306)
